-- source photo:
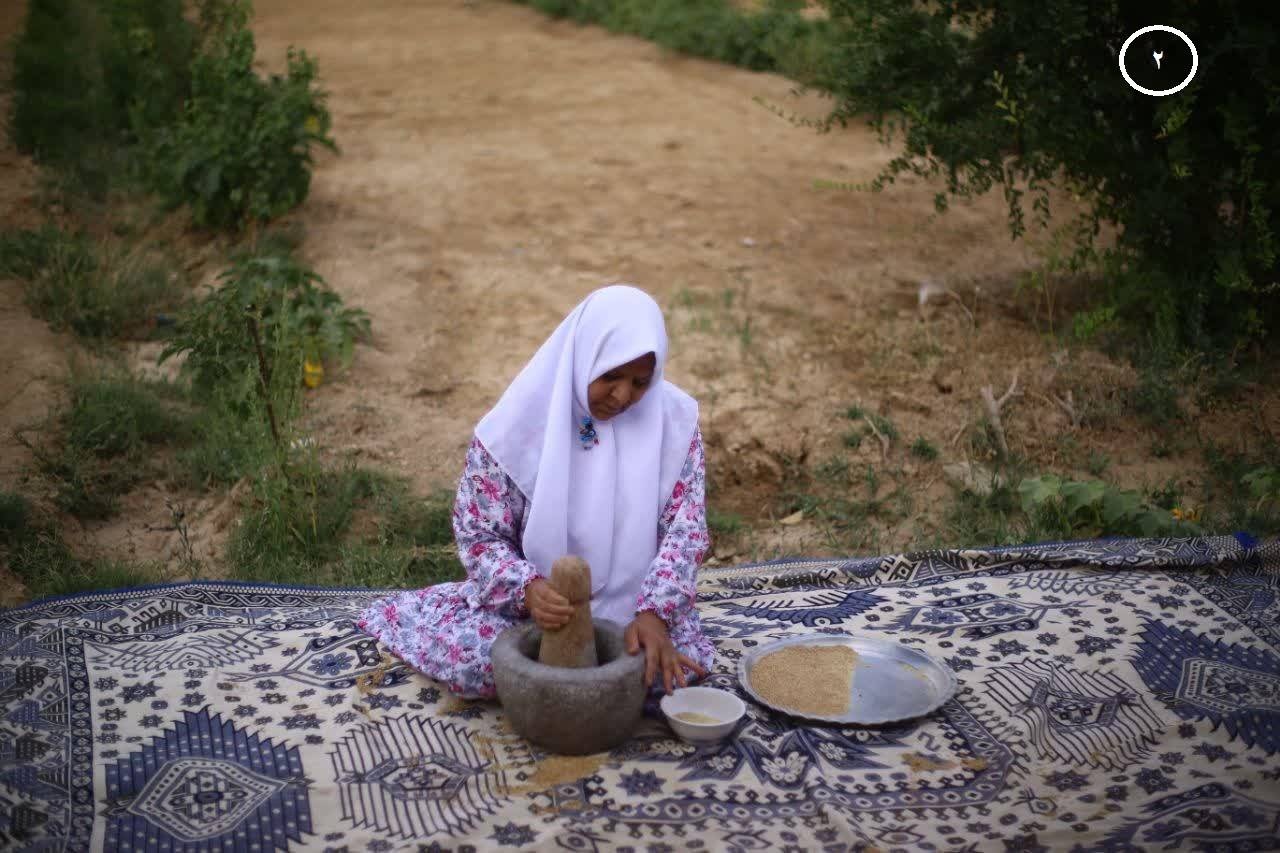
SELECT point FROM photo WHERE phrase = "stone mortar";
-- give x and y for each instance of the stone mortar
(563, 710)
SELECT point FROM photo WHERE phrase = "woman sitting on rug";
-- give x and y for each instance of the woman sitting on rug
(591, 453)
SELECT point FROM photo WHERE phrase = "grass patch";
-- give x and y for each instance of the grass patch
(92, 289)
(15, 517)
(865, 424)
(724, 524)
(1240, 493)
(1097, 463)
(345, 526)
(923, 448)
(37, 555)
(849, 505)
(230, 440)
(105, 438)
(977, 521)
(1243, 489)
(113, 415)
(775, 38)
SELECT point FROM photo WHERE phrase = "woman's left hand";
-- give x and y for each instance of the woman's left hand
(649, 632)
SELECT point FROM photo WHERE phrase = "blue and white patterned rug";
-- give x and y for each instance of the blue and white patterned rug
(1119, 695)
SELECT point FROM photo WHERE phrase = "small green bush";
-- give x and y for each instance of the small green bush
(102, 447)
(1094, 508)
(241, 151)
(1025, 96)
(296, 314)
(89, 78)
(118, 415)
(89, 289)
(776, 37)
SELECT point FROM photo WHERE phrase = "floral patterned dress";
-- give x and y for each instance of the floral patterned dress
(447, 630)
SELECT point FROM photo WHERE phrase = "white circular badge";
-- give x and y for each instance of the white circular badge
(1160, 93)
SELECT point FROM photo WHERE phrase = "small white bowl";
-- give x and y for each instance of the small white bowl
(726, 708)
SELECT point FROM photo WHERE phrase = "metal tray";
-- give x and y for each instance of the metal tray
(891, 682)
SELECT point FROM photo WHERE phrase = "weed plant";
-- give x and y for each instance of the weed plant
(267, 305)
(96, 290)
(133, 94)
(36, 554)
(240, 152)
(105, 437)
(300, 530)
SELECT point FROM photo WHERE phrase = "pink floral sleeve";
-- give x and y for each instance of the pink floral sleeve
(670, 588)
(487, 516)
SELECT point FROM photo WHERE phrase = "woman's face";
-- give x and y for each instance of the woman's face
(621, 388)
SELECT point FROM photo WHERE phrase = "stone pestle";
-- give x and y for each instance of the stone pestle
(574, 645)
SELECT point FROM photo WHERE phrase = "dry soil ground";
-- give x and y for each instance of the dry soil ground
(496, 166)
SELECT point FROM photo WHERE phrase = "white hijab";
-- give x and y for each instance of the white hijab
(600, 504)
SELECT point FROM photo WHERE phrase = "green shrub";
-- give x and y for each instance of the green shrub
(231, 439)
(1026, 95)
(296, 314)
(773, 38)
(148, 66)
(1094, 508)
(241, 151)
(1263, 483)
(1243, 489)
(1155, 398)
(90, 77)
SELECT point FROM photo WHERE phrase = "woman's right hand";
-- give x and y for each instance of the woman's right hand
(550, 609)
